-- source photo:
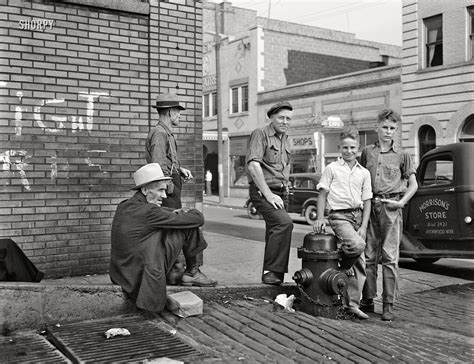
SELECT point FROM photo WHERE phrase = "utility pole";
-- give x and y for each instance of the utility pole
(220, 168)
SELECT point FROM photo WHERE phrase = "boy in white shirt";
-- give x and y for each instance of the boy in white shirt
(346, 187)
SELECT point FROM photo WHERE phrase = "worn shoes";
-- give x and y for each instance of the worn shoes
(194, 277)
(272, 278)
(367, 305)
(356, 312)
(388, 312)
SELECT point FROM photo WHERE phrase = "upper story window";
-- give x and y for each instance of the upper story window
(471, 31)
(434, 41)
(209, 105)
(239, 99)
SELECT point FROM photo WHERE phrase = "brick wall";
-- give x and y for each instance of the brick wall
(307, 66)
(283, 39)
(75, 113)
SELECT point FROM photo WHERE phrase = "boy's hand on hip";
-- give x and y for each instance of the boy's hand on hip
(392, 204)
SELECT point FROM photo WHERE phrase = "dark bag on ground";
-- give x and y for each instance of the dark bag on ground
(15, 265)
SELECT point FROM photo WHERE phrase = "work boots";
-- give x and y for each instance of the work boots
(194, 277)
(388, 312)
(367, 305)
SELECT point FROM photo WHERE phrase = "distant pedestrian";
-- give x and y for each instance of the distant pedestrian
(161, 147)
(393, 184)
(268, 169)
(345, 187)
(208, 178)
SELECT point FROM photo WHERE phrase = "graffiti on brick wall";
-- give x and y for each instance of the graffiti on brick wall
(17, 160)
(77, 123)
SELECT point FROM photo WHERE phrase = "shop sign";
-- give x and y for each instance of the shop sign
(238, 145)
(301, 142)
(332, 122)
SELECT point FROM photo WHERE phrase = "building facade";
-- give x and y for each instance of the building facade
(78, 79)
(437, 73)
(322, 108)
(261, 55)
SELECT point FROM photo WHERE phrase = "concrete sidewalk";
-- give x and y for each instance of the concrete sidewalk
(233, 202)
(234, 262)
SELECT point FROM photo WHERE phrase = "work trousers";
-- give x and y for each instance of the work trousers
(278, 229)
(159, 257)
(345, 226)
(173, 200)
(384, 234)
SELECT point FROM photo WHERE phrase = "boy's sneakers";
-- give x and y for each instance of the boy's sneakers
(194, 277)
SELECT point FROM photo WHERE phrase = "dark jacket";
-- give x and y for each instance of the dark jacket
(145, 241)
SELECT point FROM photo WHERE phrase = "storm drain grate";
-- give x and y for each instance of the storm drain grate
(28, 348)
(85, 342)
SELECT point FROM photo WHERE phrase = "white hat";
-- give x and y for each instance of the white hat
(148, 173)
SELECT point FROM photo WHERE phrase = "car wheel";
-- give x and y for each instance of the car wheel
(426, 261)
(310, 214)
(252, 212)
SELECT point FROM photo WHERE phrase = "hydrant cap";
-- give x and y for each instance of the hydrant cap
(320, 242)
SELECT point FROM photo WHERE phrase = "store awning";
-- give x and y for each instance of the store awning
(212, 135)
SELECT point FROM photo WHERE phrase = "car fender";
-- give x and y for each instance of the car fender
(310, 201)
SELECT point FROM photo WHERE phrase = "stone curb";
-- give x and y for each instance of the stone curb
(29, 305)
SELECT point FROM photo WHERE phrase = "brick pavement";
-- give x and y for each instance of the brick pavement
(431, 326)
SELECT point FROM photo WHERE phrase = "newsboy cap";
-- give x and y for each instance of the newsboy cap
(277, 107)
(167, 100)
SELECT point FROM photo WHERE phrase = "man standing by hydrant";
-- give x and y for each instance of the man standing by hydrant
(268, 169)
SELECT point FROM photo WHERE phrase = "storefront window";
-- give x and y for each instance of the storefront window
(238, 173)
(238, 150)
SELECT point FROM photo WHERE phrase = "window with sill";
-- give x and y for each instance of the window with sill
(239, 99)
(434, 41)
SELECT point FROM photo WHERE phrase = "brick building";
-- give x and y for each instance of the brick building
(259, 56)
(78, 78)
(438, 73)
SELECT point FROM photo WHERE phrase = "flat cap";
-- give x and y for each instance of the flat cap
(278, 106)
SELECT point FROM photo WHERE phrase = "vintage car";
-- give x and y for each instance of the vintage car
(303, 197)
(438, 218)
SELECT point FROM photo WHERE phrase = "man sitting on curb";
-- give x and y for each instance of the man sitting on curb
(147, 238)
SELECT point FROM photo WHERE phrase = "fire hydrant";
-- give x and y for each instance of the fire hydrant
(320, 282)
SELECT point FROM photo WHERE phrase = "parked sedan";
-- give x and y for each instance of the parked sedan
(303, 197)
